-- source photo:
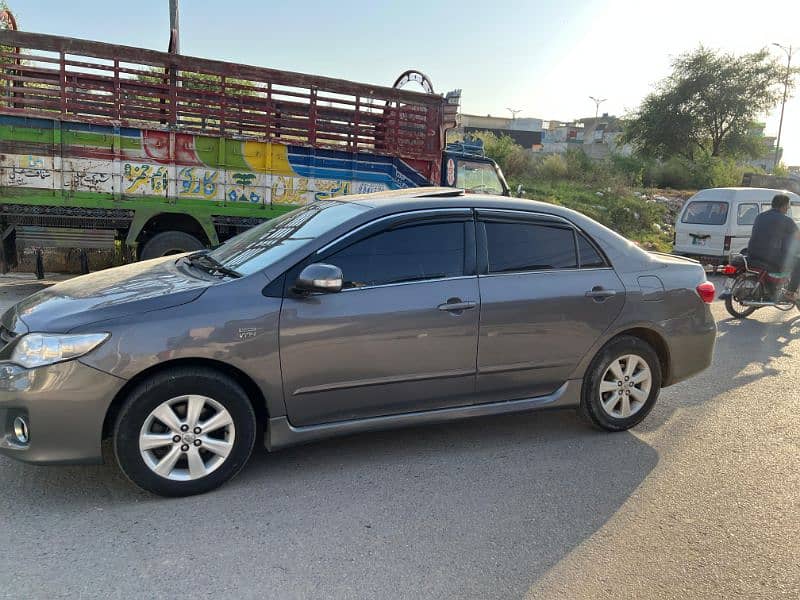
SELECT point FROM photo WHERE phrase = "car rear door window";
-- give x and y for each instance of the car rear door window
(704, 212)
(410, 253)
(529, 247)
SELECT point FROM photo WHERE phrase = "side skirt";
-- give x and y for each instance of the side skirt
(281, 434)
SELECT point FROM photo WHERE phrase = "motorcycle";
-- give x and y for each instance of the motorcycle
(750, 288)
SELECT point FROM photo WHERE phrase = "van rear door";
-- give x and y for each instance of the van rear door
(702, 227)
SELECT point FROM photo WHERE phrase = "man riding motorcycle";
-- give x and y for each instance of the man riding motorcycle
(774, 243)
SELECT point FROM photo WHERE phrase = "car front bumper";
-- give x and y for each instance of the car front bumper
(64, 406)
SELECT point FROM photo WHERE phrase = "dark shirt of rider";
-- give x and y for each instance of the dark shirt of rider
(772, 241)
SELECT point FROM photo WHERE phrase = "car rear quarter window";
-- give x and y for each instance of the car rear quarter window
(529, 247)
(706, 212)
(411, 253)
(589, 256)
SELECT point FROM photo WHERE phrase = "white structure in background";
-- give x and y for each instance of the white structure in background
(598, 137)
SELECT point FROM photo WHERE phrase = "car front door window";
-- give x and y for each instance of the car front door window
(411, 253)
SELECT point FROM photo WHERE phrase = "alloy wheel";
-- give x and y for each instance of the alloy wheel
(625, 386)
(186, 437)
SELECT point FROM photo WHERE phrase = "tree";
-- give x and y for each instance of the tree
(707, 105)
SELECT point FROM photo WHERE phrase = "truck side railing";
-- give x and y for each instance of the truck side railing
(69, 79)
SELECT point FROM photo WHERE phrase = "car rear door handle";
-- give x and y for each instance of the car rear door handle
(456, 305)
(599, 293)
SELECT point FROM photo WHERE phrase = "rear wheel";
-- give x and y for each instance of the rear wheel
(622, 384)
(169, 242)
(184, 432)
(745, 287)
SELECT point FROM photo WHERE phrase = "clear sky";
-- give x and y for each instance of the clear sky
(544, 58)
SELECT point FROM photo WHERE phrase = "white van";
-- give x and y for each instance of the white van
(716, 223)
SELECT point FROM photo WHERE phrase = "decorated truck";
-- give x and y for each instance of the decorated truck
(152, 153)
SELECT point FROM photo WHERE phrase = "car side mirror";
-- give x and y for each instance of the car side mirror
(319, 277)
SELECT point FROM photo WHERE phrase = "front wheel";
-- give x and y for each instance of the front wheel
(744, 287)
(184, 431)
(622, 384)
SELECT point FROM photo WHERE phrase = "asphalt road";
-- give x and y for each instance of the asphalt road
(700, 501)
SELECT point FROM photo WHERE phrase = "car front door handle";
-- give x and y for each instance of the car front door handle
(456, 305)
(599, 293)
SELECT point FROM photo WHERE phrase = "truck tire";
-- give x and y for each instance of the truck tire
(169, 242)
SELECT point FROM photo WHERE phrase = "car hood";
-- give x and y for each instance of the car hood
(123, 291)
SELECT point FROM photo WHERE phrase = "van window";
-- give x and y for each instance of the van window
(794, 211)
(747, 214)
(703, 212)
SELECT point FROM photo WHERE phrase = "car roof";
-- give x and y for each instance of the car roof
(437, 197)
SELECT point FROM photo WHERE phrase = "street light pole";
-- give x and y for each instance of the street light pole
(788, 50)
(597, 103)
(513, 114)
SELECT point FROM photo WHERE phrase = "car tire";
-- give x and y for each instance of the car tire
(626, 373)
(169, 242)
(159, 440)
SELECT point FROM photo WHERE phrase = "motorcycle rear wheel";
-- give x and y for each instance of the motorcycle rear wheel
(732, 304)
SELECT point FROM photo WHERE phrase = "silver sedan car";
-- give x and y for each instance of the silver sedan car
(344, 316)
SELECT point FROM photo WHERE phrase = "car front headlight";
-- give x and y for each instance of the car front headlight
(39, 349)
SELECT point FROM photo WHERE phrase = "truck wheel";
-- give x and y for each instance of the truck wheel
(169, 242)
(184, 431)
(622, 384)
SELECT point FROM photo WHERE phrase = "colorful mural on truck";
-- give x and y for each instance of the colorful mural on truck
(128, 162)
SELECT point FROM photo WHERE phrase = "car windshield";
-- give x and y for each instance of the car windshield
(264, 244)
(478, 177)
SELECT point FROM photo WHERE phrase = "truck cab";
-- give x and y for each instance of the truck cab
(465, 165)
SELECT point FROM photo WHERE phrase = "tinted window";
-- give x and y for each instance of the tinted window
(747, 214)
(589, 255)
(529, 247)
(706, 213)
(264, 244)
(412, 253)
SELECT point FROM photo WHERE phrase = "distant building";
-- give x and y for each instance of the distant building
(602, 136)
(598, 137)
(525, 132)
(767, 160)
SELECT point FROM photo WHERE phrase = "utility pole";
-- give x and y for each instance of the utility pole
(788, 50)
(174, 28)
(597, 103)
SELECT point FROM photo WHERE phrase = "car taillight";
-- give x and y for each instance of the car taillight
(706, 292)
(727, 244)
(729, 270)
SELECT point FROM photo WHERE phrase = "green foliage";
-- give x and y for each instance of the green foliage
(512, 158)
(621, 211)
(703, 172)
(707, 105)
(553, 168)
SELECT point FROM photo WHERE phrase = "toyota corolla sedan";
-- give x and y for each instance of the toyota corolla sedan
(344, 316)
